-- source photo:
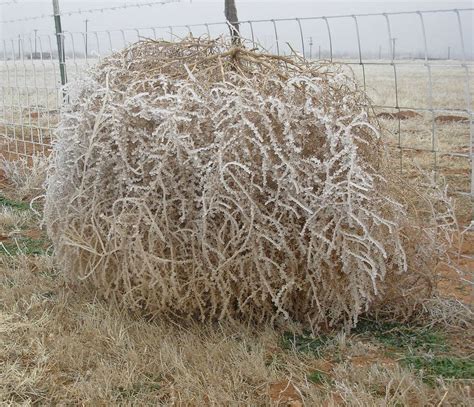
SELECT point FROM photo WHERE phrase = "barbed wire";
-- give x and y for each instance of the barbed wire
(6, 3)
(92, 10)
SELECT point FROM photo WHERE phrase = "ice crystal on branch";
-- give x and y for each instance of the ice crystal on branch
(194, 180)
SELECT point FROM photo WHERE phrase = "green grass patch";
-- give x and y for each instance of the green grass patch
(318, 377)
(19, 205)
(304, 342)
(424, 350)
(448, 367)
(396, 335)
(24, 245)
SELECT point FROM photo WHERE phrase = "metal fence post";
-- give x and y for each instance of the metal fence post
(60, 41)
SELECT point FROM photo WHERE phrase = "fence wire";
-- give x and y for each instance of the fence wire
(422, 95)
(88, 10)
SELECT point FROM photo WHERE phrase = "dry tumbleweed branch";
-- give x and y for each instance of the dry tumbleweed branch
(201, 181)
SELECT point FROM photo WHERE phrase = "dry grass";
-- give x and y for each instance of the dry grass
(25, 176)
(62, 346)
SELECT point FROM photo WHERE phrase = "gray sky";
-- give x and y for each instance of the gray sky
(441, 29)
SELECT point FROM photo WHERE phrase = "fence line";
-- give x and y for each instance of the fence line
(422, 99)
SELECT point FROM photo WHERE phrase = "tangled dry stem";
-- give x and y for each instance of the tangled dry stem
(195, 180)
(26, 177)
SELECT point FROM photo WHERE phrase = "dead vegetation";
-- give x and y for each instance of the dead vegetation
(246, 187)
(25, 176)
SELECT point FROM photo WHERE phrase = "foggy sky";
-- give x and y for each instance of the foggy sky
(441, 29)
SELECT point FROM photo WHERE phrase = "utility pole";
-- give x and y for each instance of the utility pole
(310, 47)
(60, 41)
(19, 47)
(319, 52)
(36, 51)
(380, 52)
(230, 11)
(86, 21)
(449, 52)
(393, 47)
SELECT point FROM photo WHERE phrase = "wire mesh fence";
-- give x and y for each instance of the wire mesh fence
(421, 92)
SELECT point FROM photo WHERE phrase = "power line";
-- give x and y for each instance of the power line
(93, 10)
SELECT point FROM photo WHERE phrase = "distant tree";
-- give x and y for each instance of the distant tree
(230, 11)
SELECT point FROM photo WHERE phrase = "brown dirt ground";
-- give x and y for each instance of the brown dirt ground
(27, 149)
(284, 393)
(451, 119)
(452, 284)
(402, 115)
